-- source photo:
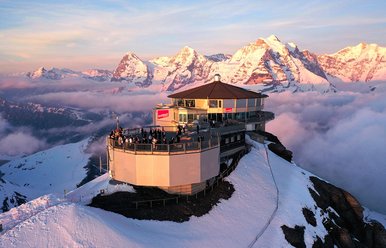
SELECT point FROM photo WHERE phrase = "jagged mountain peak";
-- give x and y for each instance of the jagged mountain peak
(132, 69)
(130, 55)
(363, 62)
(273, 38)
(292, 47)
(185, 55)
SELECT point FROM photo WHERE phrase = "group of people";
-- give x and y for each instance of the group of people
(153, 136)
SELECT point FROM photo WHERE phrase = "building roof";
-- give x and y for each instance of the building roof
(217, 90)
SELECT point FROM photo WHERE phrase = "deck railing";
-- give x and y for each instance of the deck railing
(185, 147)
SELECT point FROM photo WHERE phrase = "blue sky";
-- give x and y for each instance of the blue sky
(96, 34)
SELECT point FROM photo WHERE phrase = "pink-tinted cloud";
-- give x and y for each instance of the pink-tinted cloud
(340, 137)
(20, 143)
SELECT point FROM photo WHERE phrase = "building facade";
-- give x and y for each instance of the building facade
(214, 102)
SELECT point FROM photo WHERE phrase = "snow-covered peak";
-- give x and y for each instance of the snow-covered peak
(185, 56)
(273, 38)
(131, 55)
(132, 69)
(52, 74)
(38, 73)
(363, 62)
(252, 52)
(292, 47)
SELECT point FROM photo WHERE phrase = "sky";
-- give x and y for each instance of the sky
(96, 34)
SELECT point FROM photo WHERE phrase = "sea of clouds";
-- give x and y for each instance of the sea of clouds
(340, 137)
(103, 98)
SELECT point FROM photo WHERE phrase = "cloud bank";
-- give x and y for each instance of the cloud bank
(18, 141)
(340, 137)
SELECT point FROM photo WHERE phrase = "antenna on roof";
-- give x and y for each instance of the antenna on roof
(217, 78)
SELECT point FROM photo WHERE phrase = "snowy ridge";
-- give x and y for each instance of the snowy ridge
(364, 62)
(266, 62)
(232, 223)
(58, 74)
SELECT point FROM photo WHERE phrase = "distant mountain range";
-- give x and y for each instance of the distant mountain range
(267, 61)
(57, 74)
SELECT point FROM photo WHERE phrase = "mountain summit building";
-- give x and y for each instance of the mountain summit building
(215, 102)
(191, 141)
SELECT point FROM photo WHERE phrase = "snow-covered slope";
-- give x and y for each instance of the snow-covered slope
(269, 193)
(364, 62)
(50, 171)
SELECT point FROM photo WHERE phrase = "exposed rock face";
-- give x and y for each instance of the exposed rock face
(363, 62)
(276, 146)
(344, 224)
(218, 57)
(134, 70)
(294, 236)
(309, 216)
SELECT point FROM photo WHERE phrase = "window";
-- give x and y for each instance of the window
(213, 104)
(229, 103)
(233, 139)
(227, 141)
(219, 104)
(238, 137)
(180, 102)
(190, 118)
(241, 103)
(251, 103)
(182, 117)
(190, 103)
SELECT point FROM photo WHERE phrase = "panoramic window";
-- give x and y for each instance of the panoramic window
(251, 103)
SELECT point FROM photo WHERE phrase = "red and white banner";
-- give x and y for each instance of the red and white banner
(228, 110)
(164, 113)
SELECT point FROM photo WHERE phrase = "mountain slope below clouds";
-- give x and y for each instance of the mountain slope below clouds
(50, 171)
(248, 219)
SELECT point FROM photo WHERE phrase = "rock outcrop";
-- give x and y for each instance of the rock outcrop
(344, 223)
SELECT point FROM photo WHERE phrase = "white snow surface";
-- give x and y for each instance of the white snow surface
(86, 192)
(51, 171)
(235, 222)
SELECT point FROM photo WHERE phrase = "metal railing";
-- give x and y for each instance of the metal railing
(185, 147)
